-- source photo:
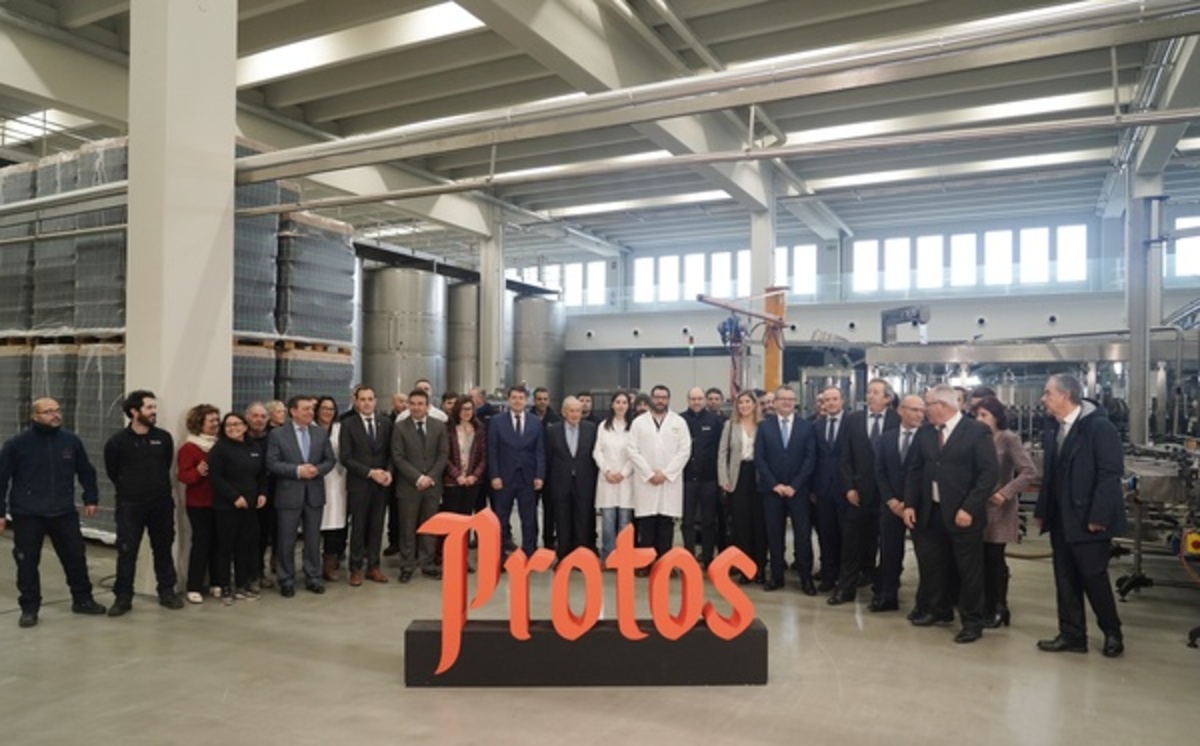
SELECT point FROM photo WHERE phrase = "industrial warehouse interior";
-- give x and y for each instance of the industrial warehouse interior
(238, 202)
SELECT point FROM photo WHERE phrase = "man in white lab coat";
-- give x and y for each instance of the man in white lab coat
(659, 448)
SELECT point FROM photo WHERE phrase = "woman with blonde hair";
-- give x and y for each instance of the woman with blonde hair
(737, 478)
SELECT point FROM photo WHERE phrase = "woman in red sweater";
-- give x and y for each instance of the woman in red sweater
(203, 421)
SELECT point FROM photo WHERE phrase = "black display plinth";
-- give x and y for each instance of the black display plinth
(490, 656)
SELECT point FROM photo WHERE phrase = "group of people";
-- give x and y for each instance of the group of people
(947, 471)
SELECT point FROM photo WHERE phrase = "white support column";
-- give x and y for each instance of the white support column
(179, 302)
(1142, 296)
(492, 306)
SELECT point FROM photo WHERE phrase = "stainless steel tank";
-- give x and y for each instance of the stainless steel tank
(462, 344)
(539, 338)
(404, 330)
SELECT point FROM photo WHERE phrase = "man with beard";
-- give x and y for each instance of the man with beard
(660, 446)
(43, 463)
(138, 462)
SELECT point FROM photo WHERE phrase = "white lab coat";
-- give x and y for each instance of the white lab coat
(334, 515)
(612, 454)
(666, 449)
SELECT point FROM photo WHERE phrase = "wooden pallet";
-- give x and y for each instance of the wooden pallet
(291, 345)
(254, 342)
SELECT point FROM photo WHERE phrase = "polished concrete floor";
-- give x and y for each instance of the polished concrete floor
(328, 669)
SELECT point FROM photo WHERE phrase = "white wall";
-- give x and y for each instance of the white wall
(951, 319)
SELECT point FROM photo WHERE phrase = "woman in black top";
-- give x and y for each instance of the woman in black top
(238, 473)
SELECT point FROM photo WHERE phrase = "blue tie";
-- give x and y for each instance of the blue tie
(786, 431)
(303, 435)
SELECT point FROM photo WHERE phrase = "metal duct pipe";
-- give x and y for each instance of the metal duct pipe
(719, 90)
(618, 165)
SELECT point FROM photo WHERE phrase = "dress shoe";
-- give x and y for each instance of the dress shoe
(807, 586)
(89, 607)
(1114, 645)
(1001, 618)
(356, 578)
(917, 611)
(827, 585)
(744, 579)
(1062, 644)
(930, 619)
(287, 591)
(432, 572)
(840, 597)
(170, 601)
(122, 605)
(375, 575)
(314, 588)
(391, 551)
(28, 619)
(406, 575)
(773, 584)
(878, 604)
(968, 634)
(642, 572)
(329, 568)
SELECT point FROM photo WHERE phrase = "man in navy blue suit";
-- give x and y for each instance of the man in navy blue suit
(517, 467)
(829, 488)
(892, 457)
(785, 454)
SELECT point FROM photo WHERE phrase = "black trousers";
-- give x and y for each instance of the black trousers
(700, 502)
(995, 577)
(947, 551)
(749, 519)
(333, 542)
(157, 518)
(891, 553)
(1082, 570)
(236, 543)
(29, 533)
(393, 519)
(827, 520)
(549, 521)
(576, 516)
(860, 536)
(202, 555)
(777, 510)
(461, 500)
(654, 532)
(366, 525)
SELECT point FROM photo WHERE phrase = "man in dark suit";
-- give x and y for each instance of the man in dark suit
(860, 516)
(700, 492)
(364, 449)
(299, 455)
(420, 450)
(545, 414)
(829, 488)
(1082, 505)
(516, 467)
(785, 456)
(571, 477)
(893, 455)
(951, 477)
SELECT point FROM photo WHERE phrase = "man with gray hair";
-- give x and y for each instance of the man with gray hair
(949, 480)
(1082, 506)
(571, 475)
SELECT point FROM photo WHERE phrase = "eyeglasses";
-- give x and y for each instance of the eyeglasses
(50, 411)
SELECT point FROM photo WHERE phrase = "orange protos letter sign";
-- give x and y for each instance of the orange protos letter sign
(625, 560)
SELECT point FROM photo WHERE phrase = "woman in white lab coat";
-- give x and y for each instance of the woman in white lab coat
(614, 486)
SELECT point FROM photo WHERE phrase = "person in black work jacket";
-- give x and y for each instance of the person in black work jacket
(42, 464)
(700, 493)
(138, 462)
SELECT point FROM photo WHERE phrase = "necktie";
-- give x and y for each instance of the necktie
(941, 436)
(785, 427)
(1062, 435)
(904, 444)
(572, 439)
(832, 436)
(520, 430)
(421, 429)
(303, 433)
(875, 428)
(829, 431)
(371, 429)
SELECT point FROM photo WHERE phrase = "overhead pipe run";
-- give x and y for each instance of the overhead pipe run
(1118, 22)
(619, 165)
